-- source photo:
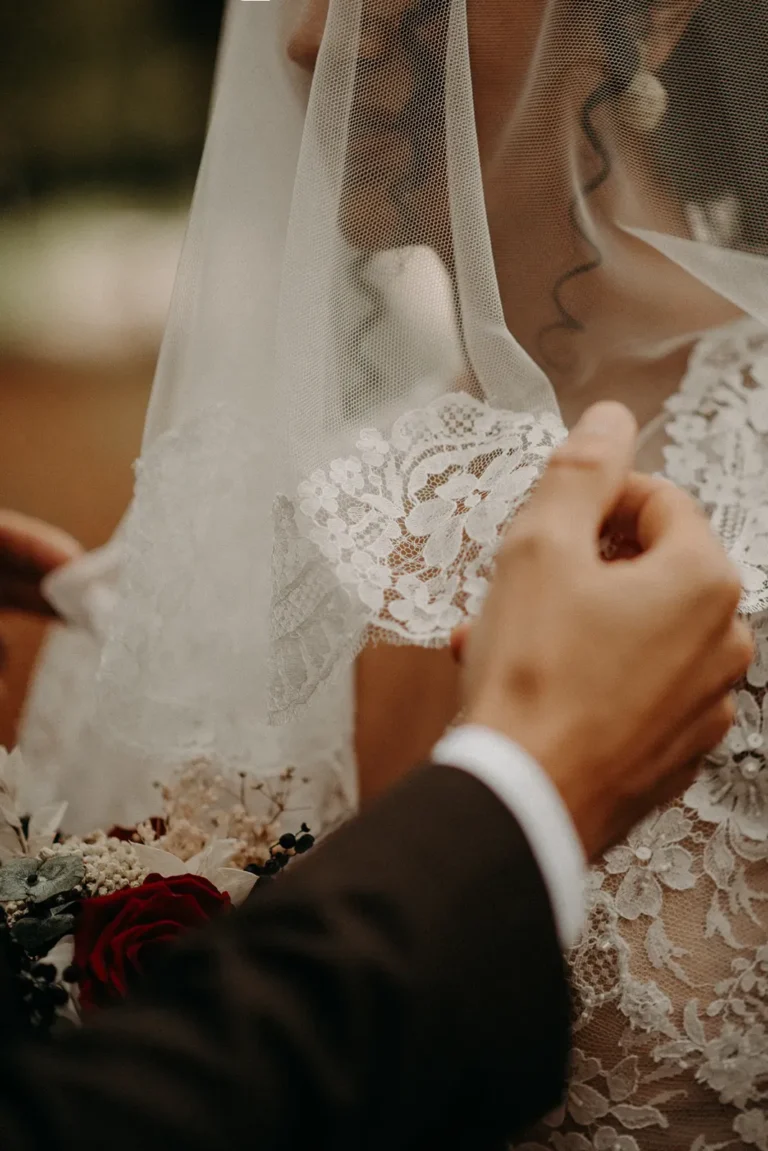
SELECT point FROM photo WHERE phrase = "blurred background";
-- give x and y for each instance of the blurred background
(103, 108)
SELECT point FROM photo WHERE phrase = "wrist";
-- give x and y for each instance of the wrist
(571, 772)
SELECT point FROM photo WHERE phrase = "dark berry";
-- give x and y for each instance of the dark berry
(304, 842)
(47, 1017)
(44, 971)
(287, 841)
(272, 866)
(254, 869)
(72, 974)
(40, 994)
(59, 996)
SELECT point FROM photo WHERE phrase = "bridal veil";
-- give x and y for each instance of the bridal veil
(346, 410)
(389, 287)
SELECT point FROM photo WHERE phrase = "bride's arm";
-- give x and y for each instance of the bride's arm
(406, 697)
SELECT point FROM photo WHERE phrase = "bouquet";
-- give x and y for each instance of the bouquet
(84, 919)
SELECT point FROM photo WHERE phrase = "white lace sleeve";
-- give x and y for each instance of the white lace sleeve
(411, 522)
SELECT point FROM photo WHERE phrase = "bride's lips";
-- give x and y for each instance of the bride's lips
(379, 156)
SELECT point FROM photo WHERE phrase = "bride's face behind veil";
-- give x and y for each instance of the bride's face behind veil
(537, 67)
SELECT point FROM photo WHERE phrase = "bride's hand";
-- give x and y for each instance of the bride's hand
(616, 677)
(29, 551)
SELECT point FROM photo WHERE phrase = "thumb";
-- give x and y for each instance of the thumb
(586, 477)
(33, 547)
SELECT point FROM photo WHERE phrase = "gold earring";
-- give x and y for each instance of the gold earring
(643, 104)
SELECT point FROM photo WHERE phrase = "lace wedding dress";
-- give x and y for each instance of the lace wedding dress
(382, 292)
(671, 1039)
(670, 979)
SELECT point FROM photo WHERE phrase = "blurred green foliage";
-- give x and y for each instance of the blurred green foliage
(103, 94)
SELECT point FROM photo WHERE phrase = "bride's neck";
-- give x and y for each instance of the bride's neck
(643, 385)
(640, 317)
(639, 314)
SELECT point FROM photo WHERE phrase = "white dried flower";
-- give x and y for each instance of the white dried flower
(110, 864)
(14, 910)
(203, 805)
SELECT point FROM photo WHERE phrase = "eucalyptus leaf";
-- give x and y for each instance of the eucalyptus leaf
(27, 879)
(15, 876)
(38, 935)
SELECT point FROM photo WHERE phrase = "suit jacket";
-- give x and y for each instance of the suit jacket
(401, 986)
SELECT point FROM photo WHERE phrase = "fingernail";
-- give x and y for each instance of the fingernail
(605, 418)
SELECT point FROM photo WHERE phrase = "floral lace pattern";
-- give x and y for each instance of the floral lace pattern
(411, 524)
(719, 446)
(670, 980)
(314, 621)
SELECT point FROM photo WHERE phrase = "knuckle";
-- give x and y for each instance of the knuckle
(533, 541)
(711, 575)
(588, 454)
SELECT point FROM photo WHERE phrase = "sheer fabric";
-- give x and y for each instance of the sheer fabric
(390, 304)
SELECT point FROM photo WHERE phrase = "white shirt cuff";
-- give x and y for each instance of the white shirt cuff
(524, 787)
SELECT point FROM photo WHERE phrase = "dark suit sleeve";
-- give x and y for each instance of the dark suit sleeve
(401, 986)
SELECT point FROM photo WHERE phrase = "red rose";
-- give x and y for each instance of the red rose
(118, 938)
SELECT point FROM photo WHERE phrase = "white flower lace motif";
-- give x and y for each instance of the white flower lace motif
(411, 523)
(671, 975)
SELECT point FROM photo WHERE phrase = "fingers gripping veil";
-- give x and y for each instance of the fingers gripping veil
(423, 239)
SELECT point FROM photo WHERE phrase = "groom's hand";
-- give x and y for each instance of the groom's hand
(616, 676)
(29, 551)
